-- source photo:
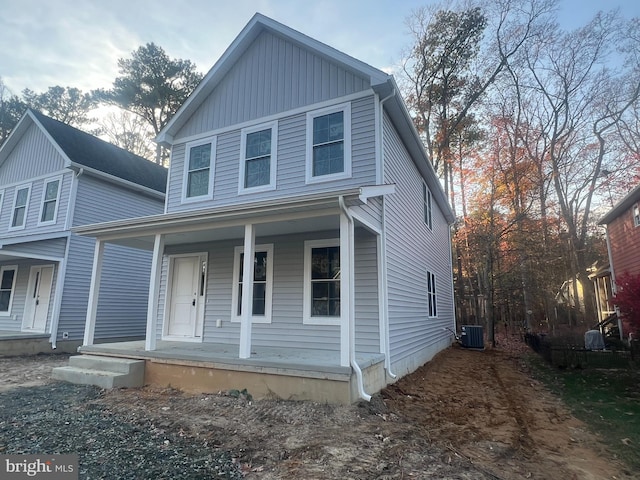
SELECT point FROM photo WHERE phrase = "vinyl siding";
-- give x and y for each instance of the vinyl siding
(54, 247)
(412, 249)
(624, 238)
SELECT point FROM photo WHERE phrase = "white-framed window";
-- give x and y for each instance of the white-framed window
(50, 200)
(426, 200)
(329, 144)
(431, 294)
(636, 214)
(20, 205)
(1, 200)
(8, 275)
(258, 158)
(262, 284)
(199, 165)
(321, 282)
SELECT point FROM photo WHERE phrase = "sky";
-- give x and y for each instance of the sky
(77, 43)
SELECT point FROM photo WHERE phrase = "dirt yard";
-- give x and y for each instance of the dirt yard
(465, 415)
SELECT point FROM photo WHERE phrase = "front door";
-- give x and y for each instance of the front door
(186, 296)
(36, 306)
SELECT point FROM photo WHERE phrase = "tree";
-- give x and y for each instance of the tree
(66, 104)
(130, 132)
(11, 110)
(152, 86)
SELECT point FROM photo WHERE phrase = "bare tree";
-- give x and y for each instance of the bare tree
(130, 132)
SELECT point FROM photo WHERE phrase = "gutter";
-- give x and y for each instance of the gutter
(352, 313)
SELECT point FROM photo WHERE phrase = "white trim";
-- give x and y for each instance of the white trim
(1, 200)
(247, 297)
(266, 318)
(427, 205)
(154, 293)
(431, 279)
(307, 318)
(73, 195)
(57, 298)
(376, 191)
(94, 293)
(346, 139)
(273, 158)
(26, 207)
(185, 172)
(29, 305)
(57, 200)
(635, 213)
(13, 287)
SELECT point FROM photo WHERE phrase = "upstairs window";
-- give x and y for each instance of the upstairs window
(426, 199)
(7, 287)
(431, 294)
(329, 144)
(20, 203)
(262, 284)
(50, 198)
(199, 164)
(636, 215)
(258, 159)
(322, 282)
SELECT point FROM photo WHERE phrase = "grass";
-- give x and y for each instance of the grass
(608, 401)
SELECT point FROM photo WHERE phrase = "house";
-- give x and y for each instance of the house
(54, 177)
(622, 224)
(295, 170)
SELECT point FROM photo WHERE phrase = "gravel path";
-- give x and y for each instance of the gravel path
(109, 446)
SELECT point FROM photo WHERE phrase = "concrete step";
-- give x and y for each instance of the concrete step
(104, 372)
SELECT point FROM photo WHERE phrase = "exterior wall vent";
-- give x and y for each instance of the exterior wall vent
(472, 336)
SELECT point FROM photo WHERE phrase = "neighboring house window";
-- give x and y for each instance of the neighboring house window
(199, 166)
(322, 282)
(20, 203)
(50, 198)
(1, 200)
(8, 276)
(431, 294)
(426, 198)
(636, 215)
(329, 144)
(258, 154)
(262, 283)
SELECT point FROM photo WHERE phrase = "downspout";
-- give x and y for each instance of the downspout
(352, 312)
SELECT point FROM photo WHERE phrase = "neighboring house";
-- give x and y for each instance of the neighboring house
(54, 177)
(295, 169)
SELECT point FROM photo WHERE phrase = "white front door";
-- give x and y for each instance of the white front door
(185, 305)
(36, 306)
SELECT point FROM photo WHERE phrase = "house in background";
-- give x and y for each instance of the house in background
(54, 177)
(622, 225)
(304, 251)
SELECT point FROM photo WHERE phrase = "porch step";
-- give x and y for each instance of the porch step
(104, 372)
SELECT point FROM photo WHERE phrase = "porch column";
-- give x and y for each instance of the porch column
(154, 292)
(94, 292)
(247, 291)
(346, 294)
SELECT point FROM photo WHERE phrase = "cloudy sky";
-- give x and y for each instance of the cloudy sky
(77, 43)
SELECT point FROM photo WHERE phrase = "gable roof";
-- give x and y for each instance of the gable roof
(84, 150)
(622, 206)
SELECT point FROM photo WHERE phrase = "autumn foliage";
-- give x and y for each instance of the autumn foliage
(627, 298)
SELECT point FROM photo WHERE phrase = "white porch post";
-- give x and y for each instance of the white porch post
(247, 291)
(346, 295)
(94, 292)
(154, 291)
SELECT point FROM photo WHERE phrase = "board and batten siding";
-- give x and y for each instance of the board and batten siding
(32, 157)
(291, 162)
(273, 76)
(411, 250)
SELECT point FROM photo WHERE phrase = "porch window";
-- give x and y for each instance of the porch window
(50, 198)
(329, 143)
(199, 165)
(636, 215)
(322, 282)
(262, 284)
(431, 294)
(258, 158)
(8, 276)
(20, 202)
(426, 200)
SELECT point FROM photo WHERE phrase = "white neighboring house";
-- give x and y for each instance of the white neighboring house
(54, 177)
(295, 169)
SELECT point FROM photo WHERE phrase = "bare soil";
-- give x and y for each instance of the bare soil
(464, 415)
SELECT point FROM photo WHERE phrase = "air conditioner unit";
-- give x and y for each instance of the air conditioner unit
(472, 336)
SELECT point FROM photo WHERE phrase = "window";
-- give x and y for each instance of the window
(431, 294)
(329, 144)
(8, 276)
(199, 165)
(636, 215)
(50, 197)
(262, 284)
(322, 282)
(20, 203)
(258, 152)
(426, 198)
(1, 199)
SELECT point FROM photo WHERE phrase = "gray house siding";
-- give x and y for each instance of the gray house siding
(412, 250)
(291, 162)
(273, 76)
(54, 247)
